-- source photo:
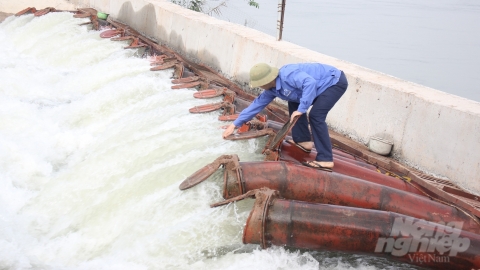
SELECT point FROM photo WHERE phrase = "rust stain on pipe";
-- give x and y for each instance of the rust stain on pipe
(290, 153)
(298, 224)
(296, 182)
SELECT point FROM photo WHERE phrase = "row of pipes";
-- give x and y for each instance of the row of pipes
(356, 208)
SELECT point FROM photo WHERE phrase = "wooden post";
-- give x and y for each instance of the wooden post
(281, 13)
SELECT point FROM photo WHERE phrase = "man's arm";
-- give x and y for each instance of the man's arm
(246, 115)
(254, 108)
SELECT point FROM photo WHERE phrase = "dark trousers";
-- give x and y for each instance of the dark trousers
(318, 113)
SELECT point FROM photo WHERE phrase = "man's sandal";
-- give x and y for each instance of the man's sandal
(316, 165)
(299, 146)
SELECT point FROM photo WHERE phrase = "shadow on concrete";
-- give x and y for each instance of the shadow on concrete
(146, 21)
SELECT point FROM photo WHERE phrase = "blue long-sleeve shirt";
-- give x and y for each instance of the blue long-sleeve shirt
(300, 83)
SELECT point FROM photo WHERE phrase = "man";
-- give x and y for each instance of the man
(301, 85)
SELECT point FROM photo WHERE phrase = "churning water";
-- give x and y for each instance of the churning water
(93, 147)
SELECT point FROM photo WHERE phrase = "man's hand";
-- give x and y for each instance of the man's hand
(229, 130)
(295, 113)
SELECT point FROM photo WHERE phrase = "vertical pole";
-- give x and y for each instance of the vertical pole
(281, 13)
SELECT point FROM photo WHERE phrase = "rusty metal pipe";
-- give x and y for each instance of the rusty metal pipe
(339, 158)
(26, 11)
(343, 154)
(228, 117)
(186, 79)
(292, 153)
(335, 152)
(112, 33)
(209, 93)
(295, 182)
(164, 66)
(277, 126)
(346, 229)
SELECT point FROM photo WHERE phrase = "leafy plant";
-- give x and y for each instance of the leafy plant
(253, 3)
(195, 5)
(199, 5)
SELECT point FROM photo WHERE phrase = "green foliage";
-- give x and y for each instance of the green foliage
(253, 3)
(198, 5)
(195, 5)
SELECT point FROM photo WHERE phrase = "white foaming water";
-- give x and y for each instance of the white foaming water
(93, 147)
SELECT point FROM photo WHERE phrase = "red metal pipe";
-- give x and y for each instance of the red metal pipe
(347, 229)
(334, 151)
(25, 11)
(208, 107)
(292, 153)
(277, 126)
(112, 33)
(295, 182)
(209, 93)
(228, 117)
(186, 79)
(338, 158)
(336, 154)
(343, 154)
(44, 11)
(164, 66)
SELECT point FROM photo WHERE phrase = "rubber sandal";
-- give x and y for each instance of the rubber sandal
(313, 164)
(299, 146)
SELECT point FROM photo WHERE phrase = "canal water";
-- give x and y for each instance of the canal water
(430, 42)
(93, 147)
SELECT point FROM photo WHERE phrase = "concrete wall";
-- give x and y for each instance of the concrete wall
(432, 130)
